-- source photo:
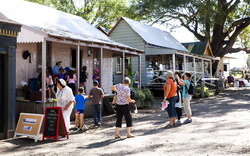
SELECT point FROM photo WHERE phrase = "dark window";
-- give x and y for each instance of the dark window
(225, 67)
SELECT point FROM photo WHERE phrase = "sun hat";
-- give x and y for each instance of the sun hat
(170, 74)
(62, 81)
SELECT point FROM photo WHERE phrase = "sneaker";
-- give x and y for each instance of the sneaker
(178, 122)
(96, 126)
(81, 130)
(188, 121)
(75, 129)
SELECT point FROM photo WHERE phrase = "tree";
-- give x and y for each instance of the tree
(221, 22)
(102, 13)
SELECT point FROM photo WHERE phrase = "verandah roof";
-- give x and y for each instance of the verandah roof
(49, 22)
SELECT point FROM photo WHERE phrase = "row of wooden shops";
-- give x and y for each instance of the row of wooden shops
(58, 36)
(54, 36)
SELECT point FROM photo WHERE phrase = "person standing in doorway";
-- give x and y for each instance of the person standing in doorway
(71, 79)
(122, 107)
(186, 97)
(83, 77)
(65, 100)
(96, 94)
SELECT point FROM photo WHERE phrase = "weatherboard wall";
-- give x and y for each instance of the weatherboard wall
(123, 33)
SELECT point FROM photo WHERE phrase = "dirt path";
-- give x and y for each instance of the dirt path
(221, 126)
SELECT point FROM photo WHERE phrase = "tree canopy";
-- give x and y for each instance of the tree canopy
(221, 22)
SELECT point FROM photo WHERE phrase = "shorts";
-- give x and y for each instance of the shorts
(79, 111)
(50, 86)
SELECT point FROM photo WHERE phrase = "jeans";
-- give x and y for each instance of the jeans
(171, 107)
(97, 114)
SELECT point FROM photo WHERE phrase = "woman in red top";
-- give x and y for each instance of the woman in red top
(170, 94)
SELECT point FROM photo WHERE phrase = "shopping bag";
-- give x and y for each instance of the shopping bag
(164, 105)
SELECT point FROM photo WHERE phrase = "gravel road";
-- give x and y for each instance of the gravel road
(221, 126)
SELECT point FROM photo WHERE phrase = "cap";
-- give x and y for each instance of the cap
(96, 82)
(67, 69)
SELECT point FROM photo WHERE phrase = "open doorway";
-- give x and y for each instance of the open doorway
(73, 58)
(1, 93)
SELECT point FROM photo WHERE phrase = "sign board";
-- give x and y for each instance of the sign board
(29, 125)
(54, 125)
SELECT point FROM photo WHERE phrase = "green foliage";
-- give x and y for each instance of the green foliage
(102, 13)
(207, 92)
(144, 95)
(217, 21)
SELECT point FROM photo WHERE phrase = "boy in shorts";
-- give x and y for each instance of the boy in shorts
(79, 107)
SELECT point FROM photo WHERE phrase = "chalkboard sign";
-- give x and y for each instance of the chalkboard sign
(51, 122)
(54, 123)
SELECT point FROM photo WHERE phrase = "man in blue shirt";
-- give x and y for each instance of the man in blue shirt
(57, 67)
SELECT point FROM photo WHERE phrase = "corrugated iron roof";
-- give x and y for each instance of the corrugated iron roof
(54, 22)
(155, 36)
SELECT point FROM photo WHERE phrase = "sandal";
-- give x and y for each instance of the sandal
(117, 137)
(130, 136)
(169, 126)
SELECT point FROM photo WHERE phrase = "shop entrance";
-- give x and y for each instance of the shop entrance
(73, 58)
(1, 94)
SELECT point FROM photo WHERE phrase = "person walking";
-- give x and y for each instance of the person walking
(170, 94)
(122, 107)
(186, 97)
(96, 94)
(65, 100)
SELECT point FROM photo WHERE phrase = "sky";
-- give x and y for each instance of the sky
(183, 35)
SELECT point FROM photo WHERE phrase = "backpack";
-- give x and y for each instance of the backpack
(132, 94)
(190, 90)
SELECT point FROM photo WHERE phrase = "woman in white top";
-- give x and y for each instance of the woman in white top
(65, 99)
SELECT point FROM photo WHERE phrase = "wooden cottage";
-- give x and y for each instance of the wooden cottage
(162, 52)
(50, 36)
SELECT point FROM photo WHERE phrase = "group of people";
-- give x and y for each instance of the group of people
(67, 74)
(176, 93)
(67, 101)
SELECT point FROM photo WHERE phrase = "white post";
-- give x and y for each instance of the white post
(184, 63)
(139, 71)
(44, 55)
(101, 68)
(173, 57)
(123, 66)
(78, 66)
(203, 70)
(211, 68)
(195, 83)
